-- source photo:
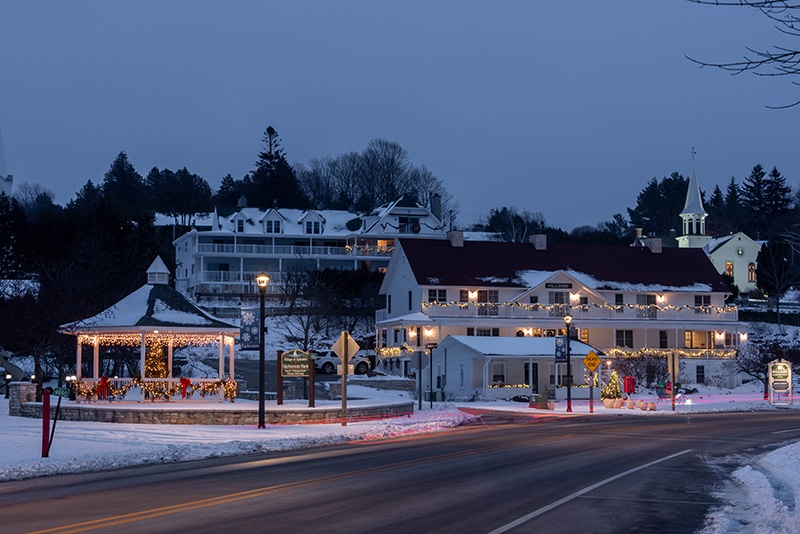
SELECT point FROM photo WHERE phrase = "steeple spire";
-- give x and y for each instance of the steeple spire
(693, 214)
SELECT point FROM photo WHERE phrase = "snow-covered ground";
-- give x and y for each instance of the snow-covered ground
(760, 495)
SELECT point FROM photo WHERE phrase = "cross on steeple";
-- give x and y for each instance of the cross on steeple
(693, 153)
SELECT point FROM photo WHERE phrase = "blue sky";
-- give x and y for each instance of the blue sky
(563, 108)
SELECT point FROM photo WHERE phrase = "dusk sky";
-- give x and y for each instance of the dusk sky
(562, 108)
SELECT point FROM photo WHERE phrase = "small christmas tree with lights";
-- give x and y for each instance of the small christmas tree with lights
(154, 364)
(612, 390)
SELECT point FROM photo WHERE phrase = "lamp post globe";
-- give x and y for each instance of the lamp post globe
(262, 280)
(568, 322)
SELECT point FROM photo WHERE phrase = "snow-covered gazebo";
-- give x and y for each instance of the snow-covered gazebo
(153, 315)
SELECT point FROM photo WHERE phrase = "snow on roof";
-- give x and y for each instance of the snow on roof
(415, 318)
(155, 306)
(518, 346)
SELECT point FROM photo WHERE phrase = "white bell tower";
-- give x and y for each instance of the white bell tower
(693, 215)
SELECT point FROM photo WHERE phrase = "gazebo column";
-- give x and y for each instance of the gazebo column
(169, 356)
(221, 391)
(96, 357)
(230, 360)
(142, 354)
(78, 353)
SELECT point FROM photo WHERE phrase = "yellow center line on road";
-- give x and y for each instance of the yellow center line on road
(250, 494)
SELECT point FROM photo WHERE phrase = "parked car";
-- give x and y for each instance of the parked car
(326, 362)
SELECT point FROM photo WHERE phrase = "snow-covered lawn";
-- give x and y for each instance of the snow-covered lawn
(761, 494)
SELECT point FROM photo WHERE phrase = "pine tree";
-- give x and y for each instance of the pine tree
(777, 196)
(753, 200)
(274, 180)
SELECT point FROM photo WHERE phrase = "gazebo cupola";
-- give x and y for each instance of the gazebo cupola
(157, 273)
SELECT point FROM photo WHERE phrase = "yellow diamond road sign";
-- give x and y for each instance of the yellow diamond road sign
(591, 361)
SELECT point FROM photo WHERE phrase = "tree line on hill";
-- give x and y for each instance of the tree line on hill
(94, 250)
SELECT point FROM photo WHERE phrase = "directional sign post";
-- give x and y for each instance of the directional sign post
(345, 347)
(591, 361)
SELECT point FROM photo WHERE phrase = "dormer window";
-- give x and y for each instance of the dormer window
(240, 226)
(272, 227)
(313, 227)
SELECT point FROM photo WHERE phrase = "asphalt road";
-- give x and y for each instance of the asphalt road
(508, 473)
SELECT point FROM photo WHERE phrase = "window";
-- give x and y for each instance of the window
(646, 307)
(695, 339)
(272, 227)
(388, 304)
(700, 371)
(751, 272)
(619, 302)
(534, 299)
(463, 295)
(729, 268)
(488, 297)
(437, 295)
(702, 303)
(313, 227)
(410, 299)
(240, 226)
(487, 332)
(662, 339)
(624, 338)
(498, 373)
(558, 301)
(470, 331)
(396, 336)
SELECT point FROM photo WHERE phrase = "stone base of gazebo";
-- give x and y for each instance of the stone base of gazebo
(211, 413)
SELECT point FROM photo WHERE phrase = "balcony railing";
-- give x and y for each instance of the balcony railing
(289, 250)
(578, 313)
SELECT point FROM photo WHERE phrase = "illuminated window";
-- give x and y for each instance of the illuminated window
(751, 272)
(729, 268)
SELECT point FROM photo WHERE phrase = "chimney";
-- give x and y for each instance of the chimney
(436, 206)
(654, 244)
(242, 202)
(539, 241)
(456, 238)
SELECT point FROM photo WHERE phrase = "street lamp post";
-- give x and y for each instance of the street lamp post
(568, 322)
(8, 381)
(262, 280)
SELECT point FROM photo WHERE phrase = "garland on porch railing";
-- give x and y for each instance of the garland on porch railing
(563, 307)
(697, 353)
(106, 390)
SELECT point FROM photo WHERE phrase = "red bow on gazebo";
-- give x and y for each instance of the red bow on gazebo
(102, 388)
(184, 384)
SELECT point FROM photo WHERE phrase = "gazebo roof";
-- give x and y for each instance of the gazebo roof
(152, 307)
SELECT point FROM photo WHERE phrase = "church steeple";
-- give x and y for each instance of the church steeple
(693, 214)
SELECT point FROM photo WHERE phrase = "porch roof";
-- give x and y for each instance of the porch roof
(517, 347)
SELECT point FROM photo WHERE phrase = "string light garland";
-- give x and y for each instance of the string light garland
(134, 339)
(368, 248)
(697, 353)
(110, 389)
(582, 307)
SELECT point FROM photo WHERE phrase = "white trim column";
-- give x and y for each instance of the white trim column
(142, 355)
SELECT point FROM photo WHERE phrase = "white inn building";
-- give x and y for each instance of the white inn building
(626, 301)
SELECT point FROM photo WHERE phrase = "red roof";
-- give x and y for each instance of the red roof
(491, 263)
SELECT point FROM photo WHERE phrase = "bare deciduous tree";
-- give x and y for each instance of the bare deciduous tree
(777, 61)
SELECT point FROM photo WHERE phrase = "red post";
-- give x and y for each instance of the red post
(45, 422)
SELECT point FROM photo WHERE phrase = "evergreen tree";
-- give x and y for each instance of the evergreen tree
(126, 192)
(659, 204)
(716, 210)
(274, 180)
(229, 192)
(179, 194)
(12, 224)
(754, 202)
(777, 201)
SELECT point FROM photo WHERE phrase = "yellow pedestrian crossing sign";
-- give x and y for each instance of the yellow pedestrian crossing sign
(592, 361)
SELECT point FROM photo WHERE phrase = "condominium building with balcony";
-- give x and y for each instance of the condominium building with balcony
(625, 302)
(217, 260)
